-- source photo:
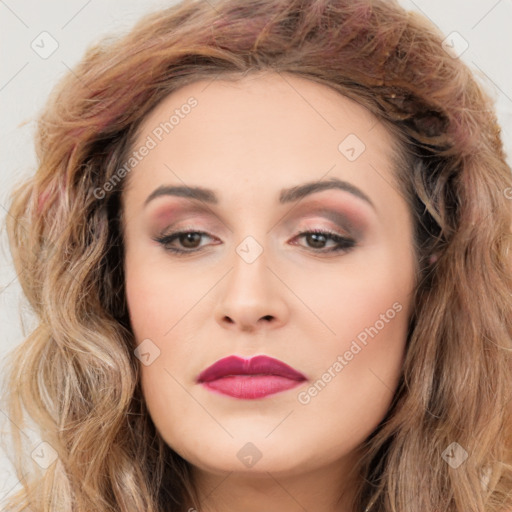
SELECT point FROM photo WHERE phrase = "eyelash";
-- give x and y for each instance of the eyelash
(344, 244)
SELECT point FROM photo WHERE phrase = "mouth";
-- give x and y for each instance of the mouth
(252, 378)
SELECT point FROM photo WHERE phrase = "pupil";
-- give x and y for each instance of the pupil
(315, 237)
(188, 237)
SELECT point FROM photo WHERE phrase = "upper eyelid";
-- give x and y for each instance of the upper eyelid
(339, 219)
(173, 229)
(335, 213)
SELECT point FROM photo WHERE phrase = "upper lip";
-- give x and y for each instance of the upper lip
(258, 365)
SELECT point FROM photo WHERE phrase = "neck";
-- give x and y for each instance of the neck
(325, 489)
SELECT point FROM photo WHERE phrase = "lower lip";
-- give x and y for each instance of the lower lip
(251, 386)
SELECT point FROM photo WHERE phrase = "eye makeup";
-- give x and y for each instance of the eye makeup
(347, 214)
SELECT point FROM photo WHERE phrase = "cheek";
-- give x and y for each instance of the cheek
(355, 375)
(171, 409)
(357, 298)
(363, 314)
(155, 296)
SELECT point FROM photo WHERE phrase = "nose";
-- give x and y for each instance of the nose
(252, 298)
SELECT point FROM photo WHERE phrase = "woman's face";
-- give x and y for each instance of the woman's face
(274, 156)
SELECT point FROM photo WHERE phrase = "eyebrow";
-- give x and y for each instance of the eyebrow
(287, 195)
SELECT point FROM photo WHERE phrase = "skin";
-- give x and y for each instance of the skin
(247, 139)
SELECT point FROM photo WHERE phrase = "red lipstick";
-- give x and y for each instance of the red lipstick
(252, 378)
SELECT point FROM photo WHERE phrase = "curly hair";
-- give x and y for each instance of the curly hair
(76, 375)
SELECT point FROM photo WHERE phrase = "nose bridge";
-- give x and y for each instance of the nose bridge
(250, 232)
(250, 275)
(250, 295)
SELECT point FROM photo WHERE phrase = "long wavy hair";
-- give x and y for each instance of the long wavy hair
(76, 376)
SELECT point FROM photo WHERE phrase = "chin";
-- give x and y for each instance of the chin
(250, 457)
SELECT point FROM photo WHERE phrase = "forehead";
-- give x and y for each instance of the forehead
(257, 131)
(292, 97)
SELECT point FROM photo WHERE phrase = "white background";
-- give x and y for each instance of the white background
(26, 80)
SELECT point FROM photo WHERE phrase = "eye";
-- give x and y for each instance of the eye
(318, 238)
(188, 239)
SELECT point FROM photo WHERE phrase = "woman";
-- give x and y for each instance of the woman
(339, 341)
